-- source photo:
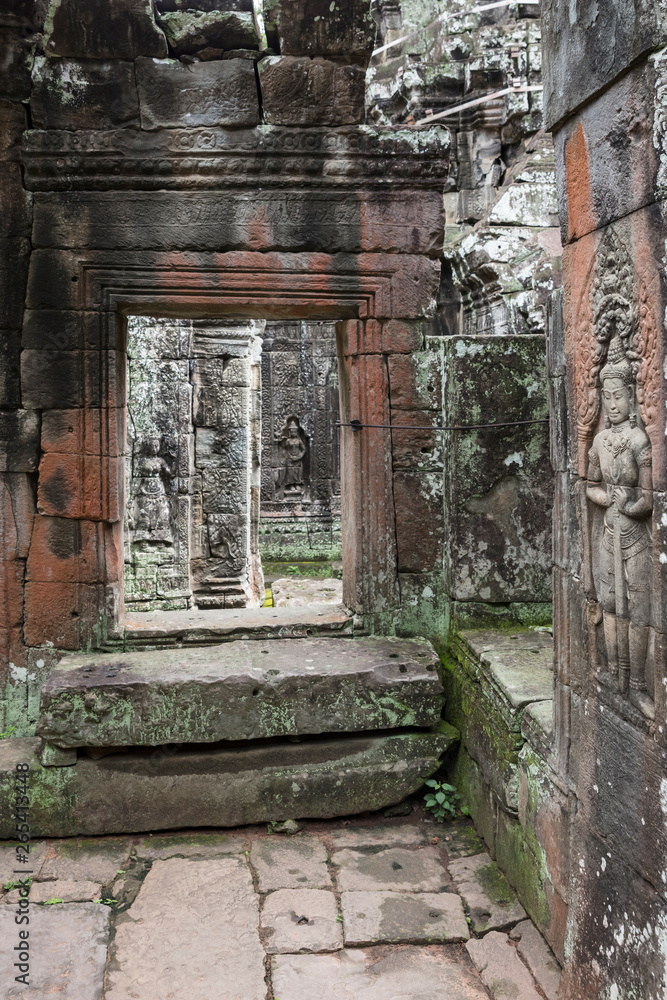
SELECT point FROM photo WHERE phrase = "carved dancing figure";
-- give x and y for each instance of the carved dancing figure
(294, 450)
(151, 522)
(620, 482)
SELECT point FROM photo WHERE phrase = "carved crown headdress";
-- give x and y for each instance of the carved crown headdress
(618, 364)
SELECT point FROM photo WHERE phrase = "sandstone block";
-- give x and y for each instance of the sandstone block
(416, 381)
(393, 869)
(68, 949)
(316, 28)
(461, 840)
(65, 614)
(394, 917)
(14, 270)
(80, 486)
(419, 520)
(173, 95)
(10, 369)
(66, 550)
(488, 898)
(405, 835)
(244, 690)
(19, 437)
(53, 379)
(301, 920)
(538, 957)
(88, 431)
(189, 845)
(13, 122)
(17, 512)
(190, 30)
(299, 863)
(302, 91)
(500, 967)
(119, 30)
(164, 790)
(405, 972)
(75, 94)
(62, 889)
(216, 901)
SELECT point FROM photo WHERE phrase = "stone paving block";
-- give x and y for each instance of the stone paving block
(66, 891)
(300, 863)
(68, 951)
(301, 920)
(193, 927)
(489, 899)
(461, 840)
(407, 835)
(297, 592)
(388, 917)
(393, 869)
(411, 972)
(189, 845)
(86, 860)
(539, 958)
(9, 866)
(501, 969)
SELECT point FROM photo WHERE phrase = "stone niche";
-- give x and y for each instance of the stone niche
(192, 466)
(300, 499)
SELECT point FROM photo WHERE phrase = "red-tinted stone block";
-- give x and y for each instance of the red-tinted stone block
(53, 379)
(84, 431)
(419, 521)
(80, 486)
(66, 614)
(415, 381)
(66, 550)
(17, 510)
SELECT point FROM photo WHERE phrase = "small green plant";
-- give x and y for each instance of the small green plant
(293, 571)
(50, 902)
(7, 733)
(105, 900)
(443, 801)
(22, 884)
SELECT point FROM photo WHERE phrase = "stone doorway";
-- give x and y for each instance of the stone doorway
(202, 470)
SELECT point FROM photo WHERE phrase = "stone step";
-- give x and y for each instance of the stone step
(158, 629)
(245, 690)
(141, 790)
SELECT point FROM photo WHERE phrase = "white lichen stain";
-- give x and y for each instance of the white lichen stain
(18, 673)
(516, 457)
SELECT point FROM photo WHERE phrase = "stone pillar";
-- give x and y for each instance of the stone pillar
(606, 100)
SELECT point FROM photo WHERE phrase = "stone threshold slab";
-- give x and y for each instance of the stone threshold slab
(197, 627)
(139, 791)
(244, 690)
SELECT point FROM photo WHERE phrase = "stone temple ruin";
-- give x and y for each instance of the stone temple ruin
(299, 296)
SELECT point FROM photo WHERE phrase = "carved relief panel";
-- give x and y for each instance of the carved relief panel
(616, 411)
(193, 463)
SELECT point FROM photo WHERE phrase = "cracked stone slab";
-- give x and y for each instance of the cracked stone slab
(193, 926)
(405, 835)
(488, 897)
(68, 948)
(539, 958)
(501, 969)
(409, 972)
(65, 891)
(461, 840)
(299, 863)
(86, 860)
(12, 870)
(395, 917)
(241, 691)
(394, 869)
(301, 920)
(189, 845)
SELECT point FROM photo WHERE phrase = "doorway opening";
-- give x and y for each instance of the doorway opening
(232, 476)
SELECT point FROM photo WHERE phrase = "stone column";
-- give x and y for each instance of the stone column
(606, 102)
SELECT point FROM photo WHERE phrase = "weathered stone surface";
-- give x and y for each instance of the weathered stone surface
(241, 691)
(19, 434)
(579, 61)
(392, 917)
(121, 30)
(220, 625)
(501, 969)
(85, 860)
(393, 869)
(189, 845)
(461, 840)
(302, 91)
(538, 957)
(315, 28)
(75, 94)
(299, 863)
(216, 902)
(62, 890)
(405, 835)
(300, 592)
(10, 868)
(68, 951)
(488, 898)
(173, 95)
(301, 920)
(410, 972)
(189, 30)
(168, 788)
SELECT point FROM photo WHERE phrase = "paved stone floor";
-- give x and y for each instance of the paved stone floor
(369, 908)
